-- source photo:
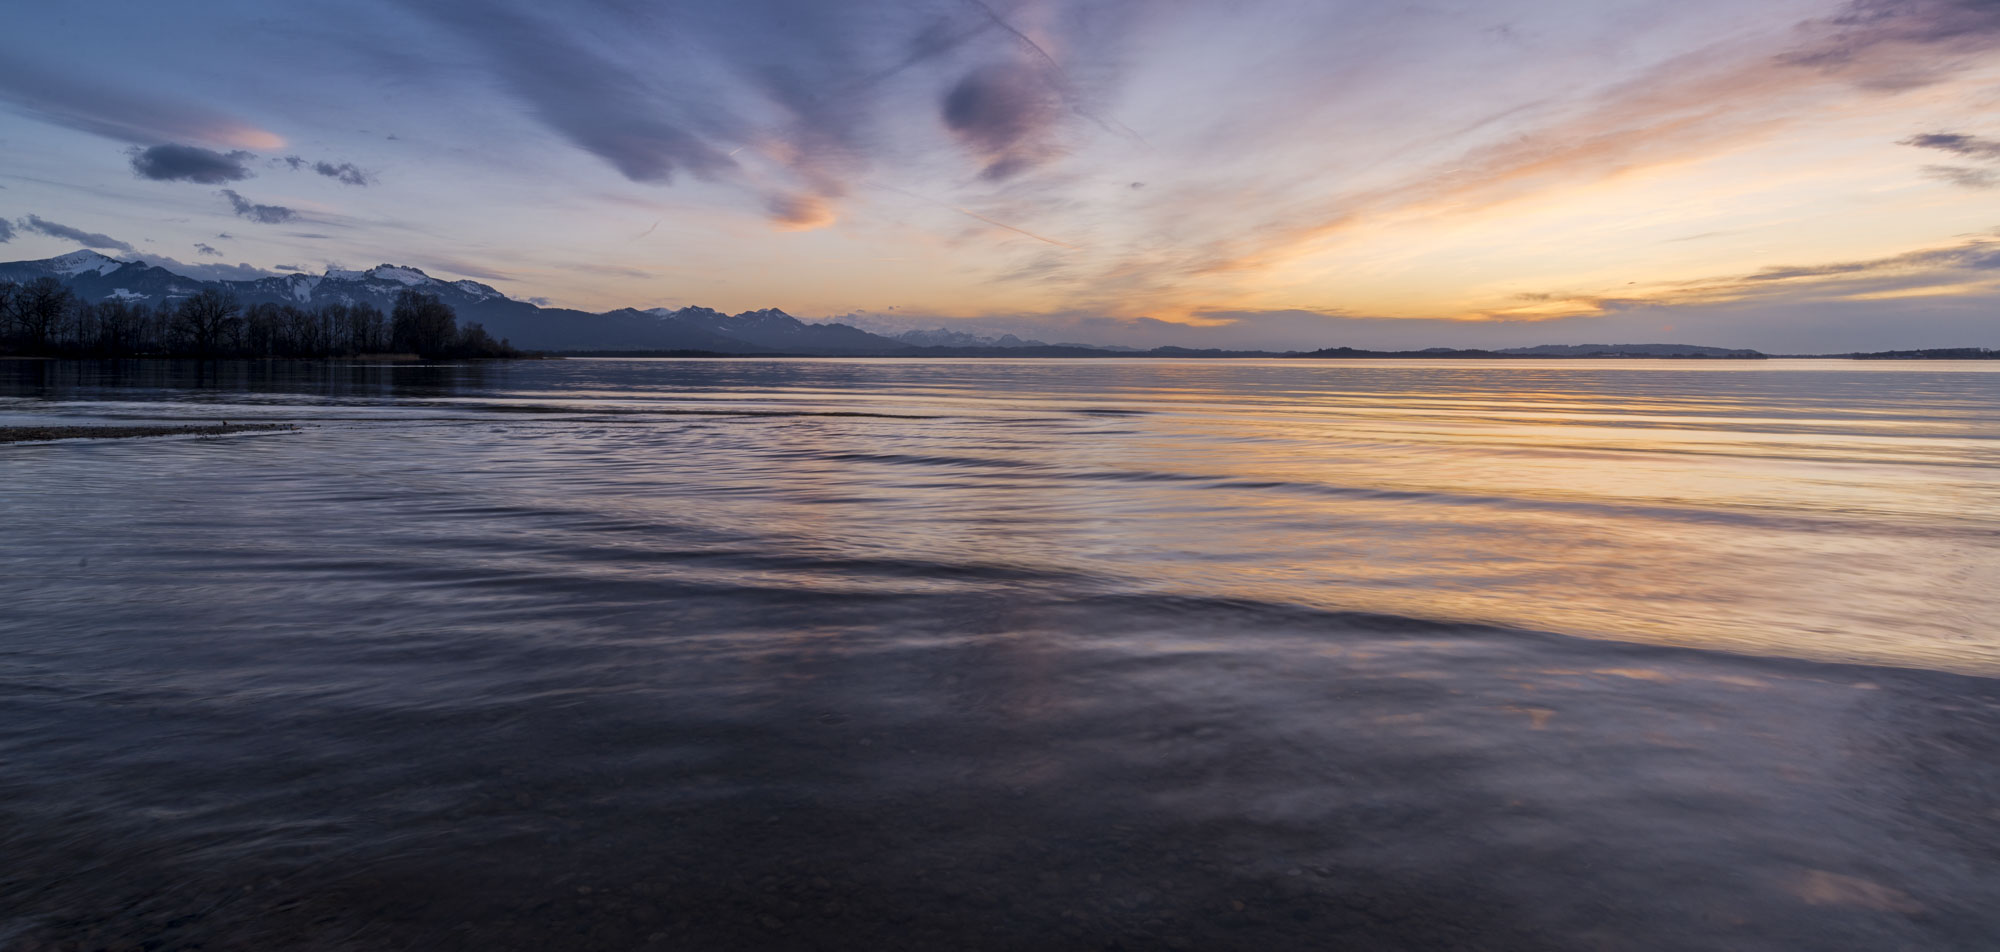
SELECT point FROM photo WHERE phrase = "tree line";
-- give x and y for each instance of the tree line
(45, 318)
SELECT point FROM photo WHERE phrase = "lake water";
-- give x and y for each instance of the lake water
(621, 654)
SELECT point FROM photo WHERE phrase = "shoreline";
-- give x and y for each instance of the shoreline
(46, 434)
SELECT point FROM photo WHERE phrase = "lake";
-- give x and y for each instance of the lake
(985, 654)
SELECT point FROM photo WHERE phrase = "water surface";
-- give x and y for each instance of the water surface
(999, 654)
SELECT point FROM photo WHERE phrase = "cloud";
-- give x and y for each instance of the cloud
(1967, 146)
(1872, 39)
(6, 231)
(800, 212)
(1963, 177)
(55, 97)
(88, 239)
(211, 271)
(621, 115)
(346, 172)
(189, 163)
(202, 249)
(466, 269)
(1680, 109)
(267, 214)
(1968, 270)
(1957, 144)
(800, 98)
(286, 267)
(1981, 254)
(1004, 113)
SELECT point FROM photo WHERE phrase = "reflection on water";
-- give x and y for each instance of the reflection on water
(981, 654)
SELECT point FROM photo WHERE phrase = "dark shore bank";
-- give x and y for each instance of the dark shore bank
(39, 434)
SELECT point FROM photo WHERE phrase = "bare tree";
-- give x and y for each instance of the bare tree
(208, 320)
(424, 325)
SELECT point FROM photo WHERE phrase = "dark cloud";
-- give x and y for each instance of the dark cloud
(6, 231)
(1872, 39)
(1971, 147)
(286, 267)
(88, 239)
(224, 235)
(816, 92)
(1005, 113)
(1963, 177)
(615, 112)
(63, 99)
(202, 249)
(346, 172)
(267, 214)
(189, 163)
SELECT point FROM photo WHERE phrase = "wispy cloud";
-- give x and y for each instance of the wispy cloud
(127, 116)
(620, 114)
(1966, 146)
(1974, 261)
(1955, 143)
(1963, 177)
(88, 239)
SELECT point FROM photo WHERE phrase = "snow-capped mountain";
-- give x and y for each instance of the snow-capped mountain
(93, 277)
(376, 286)
(944, 337)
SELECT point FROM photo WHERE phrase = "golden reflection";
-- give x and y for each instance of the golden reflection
(1818, 887)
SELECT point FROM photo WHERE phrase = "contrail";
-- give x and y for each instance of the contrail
(972, 214)
(1018, 231)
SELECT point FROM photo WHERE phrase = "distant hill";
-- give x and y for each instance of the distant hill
(700, 331)
(1627, 350)
(1936, 353)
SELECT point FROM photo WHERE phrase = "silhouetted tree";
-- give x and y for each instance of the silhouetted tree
(37, 309)
(365, 333)
(208, 321)
(423, 325)
(44, 317)
(117, 323)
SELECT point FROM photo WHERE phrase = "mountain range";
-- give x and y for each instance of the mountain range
(688, 330)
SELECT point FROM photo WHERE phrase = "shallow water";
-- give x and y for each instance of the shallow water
(985, 654)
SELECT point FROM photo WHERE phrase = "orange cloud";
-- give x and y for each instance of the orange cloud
(799, 212)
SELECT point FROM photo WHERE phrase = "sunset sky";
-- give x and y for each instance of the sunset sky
(1793, 175)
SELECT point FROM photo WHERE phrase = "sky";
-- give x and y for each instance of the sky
(1791, 175)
